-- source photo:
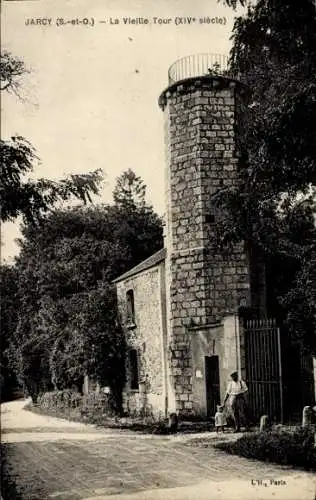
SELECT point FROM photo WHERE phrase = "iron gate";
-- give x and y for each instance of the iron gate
(263, 368)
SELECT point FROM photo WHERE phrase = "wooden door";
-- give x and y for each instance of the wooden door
(212, 384)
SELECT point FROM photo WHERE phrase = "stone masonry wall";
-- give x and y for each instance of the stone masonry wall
(200, 123)
(145, 335)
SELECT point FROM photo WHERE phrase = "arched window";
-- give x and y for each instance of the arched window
(130, 306)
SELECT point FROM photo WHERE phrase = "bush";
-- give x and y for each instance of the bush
(284, 447)
(92, 407)
(60, 400)
(97, 408)
(96, 405)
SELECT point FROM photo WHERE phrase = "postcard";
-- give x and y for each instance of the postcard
(133, 365)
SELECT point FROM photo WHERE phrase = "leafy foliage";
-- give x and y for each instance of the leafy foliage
(20, 195)
(300, 302)
(31, 198)
(11, 70)
(233, 3)
(8, 320)
(93, 407)
(285, 447)
(129, 190)
(68, 323)
(273, 206)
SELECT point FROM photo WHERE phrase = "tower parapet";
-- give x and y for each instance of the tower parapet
(198, 65)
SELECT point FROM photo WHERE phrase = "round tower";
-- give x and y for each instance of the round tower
(201, 111)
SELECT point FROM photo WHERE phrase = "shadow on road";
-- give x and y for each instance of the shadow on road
(8, 486)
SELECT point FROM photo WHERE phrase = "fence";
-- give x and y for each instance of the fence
(264, 368)
(198, 65)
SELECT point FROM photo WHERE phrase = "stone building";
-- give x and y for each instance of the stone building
(180, 307)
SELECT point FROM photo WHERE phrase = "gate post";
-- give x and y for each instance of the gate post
(314, 374)
(242, 348)
(280, 376)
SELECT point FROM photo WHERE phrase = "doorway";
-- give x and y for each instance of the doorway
(212, 384)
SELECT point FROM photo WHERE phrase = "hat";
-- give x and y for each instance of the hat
(233, 373)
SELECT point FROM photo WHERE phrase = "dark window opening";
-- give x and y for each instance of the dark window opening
(130, 306)
(133, 365)
(210, 218)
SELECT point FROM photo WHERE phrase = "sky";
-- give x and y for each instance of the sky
(91, 98)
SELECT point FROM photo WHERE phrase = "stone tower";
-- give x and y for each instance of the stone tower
(201, 110)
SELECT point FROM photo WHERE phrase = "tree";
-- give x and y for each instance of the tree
(62, 260)
(89, 340)
(31, 198)
(300, 302)
(8, 320)
(68, 321)
(137, 230)
(23, 196)
(12, 69)
(273, 206)
(130, 190)
(233, 3)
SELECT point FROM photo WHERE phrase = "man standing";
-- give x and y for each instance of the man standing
(237, 394)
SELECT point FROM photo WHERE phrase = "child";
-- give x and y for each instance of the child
(220, 419)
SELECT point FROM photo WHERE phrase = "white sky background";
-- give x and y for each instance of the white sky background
(86, 107)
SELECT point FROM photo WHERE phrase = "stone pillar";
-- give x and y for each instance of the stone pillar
(85, 388)
(307, 417)
(264, 423)
(203, 284)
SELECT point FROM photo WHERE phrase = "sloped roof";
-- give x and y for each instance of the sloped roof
(153, 260)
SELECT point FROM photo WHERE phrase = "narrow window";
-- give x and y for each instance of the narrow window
(130, 306)
(133, 365)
